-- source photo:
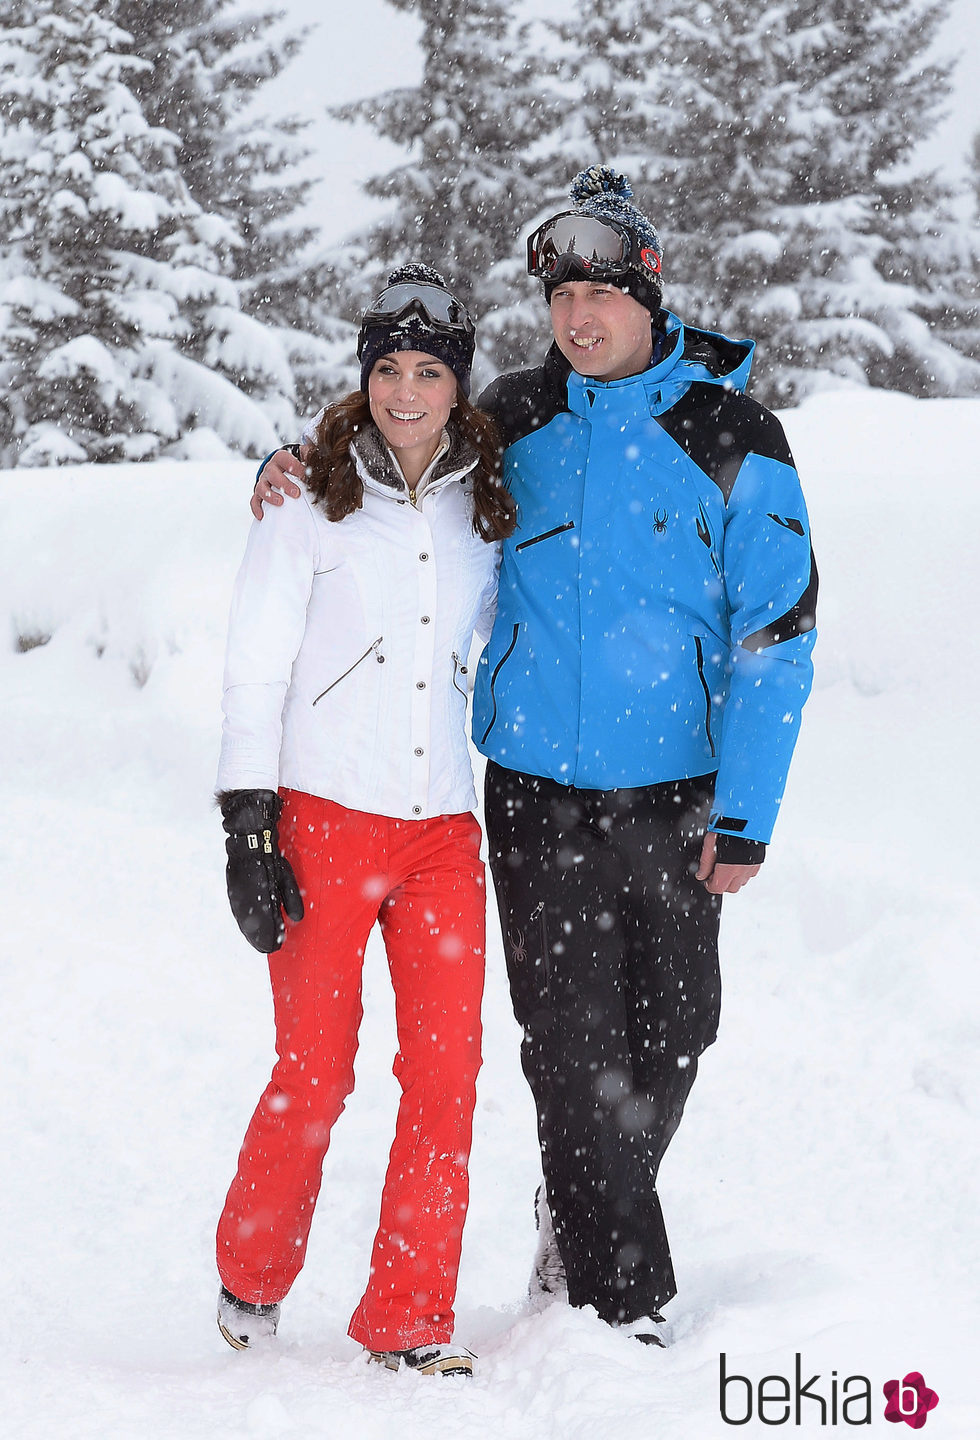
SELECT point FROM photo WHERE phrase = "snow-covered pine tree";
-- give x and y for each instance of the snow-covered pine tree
(774, 147)
(208, 59)
(122, 332)
(959, 320)
(604, 68)
(72, 147)
(463, 200)
(598, 87)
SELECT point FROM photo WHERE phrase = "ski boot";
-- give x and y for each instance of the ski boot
(242, 1324)
(427, 1359)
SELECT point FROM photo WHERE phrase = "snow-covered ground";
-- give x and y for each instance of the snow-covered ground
(822, 1191)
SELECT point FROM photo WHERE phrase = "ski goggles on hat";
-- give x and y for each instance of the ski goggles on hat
(436, 308)
(596, 248)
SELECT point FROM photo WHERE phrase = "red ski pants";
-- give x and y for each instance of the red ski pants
(423, 881)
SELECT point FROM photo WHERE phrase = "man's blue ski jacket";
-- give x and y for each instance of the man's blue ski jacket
(657, 600)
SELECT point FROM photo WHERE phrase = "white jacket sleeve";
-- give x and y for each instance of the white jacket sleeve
(265, 631)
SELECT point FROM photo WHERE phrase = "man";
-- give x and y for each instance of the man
(638, 704)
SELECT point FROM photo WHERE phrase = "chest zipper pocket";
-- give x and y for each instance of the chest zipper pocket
(373, 648)
(707, 693)
(459, 669)
(536, 539)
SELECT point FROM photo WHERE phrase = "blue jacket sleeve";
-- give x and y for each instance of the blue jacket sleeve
(771, 583)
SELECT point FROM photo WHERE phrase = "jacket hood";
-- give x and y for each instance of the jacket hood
(720, 360)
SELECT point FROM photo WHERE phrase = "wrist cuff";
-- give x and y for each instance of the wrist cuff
(263, 464)
(737, 850)
(293, 450)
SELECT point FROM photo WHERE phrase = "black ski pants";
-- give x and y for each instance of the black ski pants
(612, 954)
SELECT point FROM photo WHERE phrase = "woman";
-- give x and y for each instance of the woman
(347, 796)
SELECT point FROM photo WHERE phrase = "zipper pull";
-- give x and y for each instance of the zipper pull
(377, 653)
(411, 496)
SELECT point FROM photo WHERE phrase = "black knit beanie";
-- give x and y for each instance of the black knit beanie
(413, 332)
(605, 193)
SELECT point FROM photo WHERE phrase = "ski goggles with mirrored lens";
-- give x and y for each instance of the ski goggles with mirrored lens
(436, 308)
(596, 248)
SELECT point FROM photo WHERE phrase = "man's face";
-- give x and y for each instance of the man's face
(601, 330)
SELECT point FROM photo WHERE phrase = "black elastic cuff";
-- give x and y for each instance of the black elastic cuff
(737, 850)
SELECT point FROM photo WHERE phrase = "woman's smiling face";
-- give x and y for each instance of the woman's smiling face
(411, 394)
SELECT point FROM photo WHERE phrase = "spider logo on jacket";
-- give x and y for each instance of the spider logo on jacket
(518, 948)
(660, 522)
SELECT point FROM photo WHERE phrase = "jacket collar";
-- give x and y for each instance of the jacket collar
(685, 354)
(379, 470)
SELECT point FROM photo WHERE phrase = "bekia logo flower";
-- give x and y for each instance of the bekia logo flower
(909, 1400)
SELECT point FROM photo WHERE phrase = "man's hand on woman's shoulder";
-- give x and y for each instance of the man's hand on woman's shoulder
(277, 478)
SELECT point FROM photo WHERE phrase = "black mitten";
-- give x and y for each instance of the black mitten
(260, 879)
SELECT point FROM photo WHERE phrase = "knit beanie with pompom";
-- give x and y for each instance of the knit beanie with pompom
(381, 336)
(605, 193)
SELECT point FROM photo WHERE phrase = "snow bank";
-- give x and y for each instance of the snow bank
(821, 1192)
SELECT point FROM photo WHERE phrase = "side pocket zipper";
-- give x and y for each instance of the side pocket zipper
(377, 655)
(707, 692)
(459, 669)
(538, 914)
(493, 680)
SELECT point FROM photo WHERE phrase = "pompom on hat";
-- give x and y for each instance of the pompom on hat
(606, 194)
(417, 311)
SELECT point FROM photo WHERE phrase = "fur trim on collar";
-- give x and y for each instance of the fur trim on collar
(369, 447)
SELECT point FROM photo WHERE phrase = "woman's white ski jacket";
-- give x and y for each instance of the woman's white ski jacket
(346, 668)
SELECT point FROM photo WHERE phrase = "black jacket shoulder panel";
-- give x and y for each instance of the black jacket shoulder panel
(524, 400)
(717, 428)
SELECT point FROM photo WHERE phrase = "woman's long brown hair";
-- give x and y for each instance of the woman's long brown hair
(334, 483)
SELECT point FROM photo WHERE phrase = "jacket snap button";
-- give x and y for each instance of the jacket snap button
(419, 750)
(425, 619)
(424, 555)
(420, 684)
(416, 809)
